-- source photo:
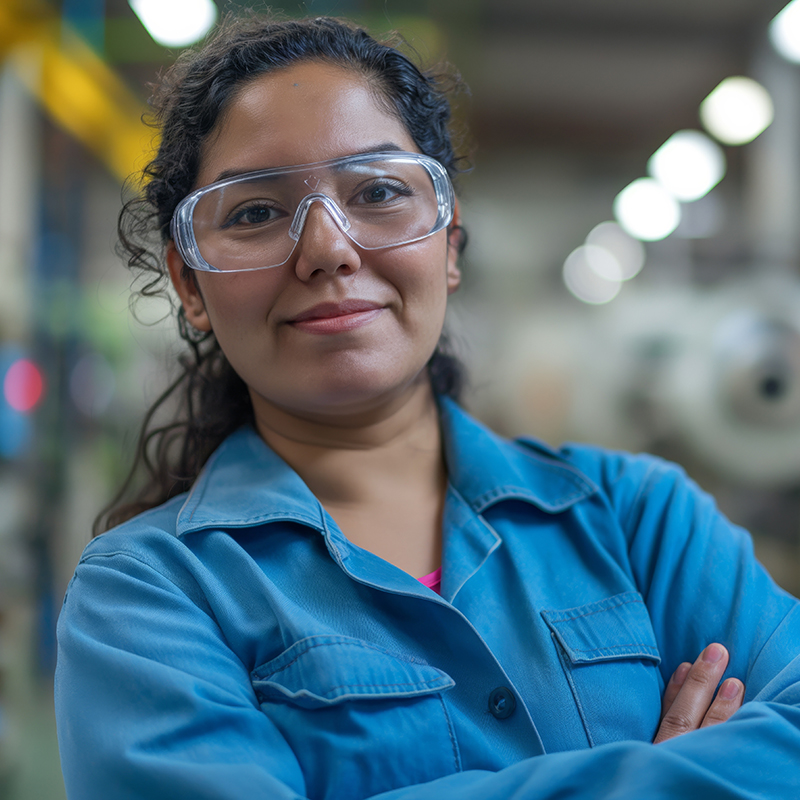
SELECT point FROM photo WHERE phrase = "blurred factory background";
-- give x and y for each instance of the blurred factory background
(632, 277)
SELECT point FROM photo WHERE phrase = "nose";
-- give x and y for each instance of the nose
(322, 244)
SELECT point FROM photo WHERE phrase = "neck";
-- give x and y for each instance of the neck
(404, 430)
(382, 477)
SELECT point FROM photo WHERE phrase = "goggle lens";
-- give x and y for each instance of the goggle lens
(255, 220)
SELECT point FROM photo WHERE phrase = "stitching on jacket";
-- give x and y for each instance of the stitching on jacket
(364, 645)
(178, 591)
(241, 522)
(566, 669)
(589, 613)
(518, 492)
(453, 741)
(374, 685)
(615, 647)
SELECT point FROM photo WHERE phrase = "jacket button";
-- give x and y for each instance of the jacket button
(502, 702)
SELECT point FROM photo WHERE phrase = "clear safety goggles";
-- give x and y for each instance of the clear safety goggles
(254, 221)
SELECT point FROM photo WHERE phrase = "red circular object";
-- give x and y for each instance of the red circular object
(23, 385)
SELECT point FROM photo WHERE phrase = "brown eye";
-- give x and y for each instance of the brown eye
(384, 192)
(252, 215)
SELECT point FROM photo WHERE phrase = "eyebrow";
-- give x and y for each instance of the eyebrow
(383, 147)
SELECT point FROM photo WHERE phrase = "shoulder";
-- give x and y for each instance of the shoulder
(138, 536)
(625, 478)
(139, 555)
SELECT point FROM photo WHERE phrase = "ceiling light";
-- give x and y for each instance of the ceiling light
(583, 279)
(628, 252)
(646, 210)
(688, 165)
(176, 23)
(737, 111)
(784, 32)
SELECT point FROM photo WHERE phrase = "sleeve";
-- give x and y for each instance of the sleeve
(209, 740)
(151, 702)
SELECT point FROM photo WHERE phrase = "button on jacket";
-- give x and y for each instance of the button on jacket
(233, 643)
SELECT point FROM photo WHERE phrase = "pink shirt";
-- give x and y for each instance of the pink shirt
(433, 580)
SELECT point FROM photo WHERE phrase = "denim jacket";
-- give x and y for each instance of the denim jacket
(233, 643)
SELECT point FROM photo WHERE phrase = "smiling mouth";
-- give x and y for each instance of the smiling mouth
(327, 318)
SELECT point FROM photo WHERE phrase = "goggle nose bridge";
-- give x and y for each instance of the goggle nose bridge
(304, 206)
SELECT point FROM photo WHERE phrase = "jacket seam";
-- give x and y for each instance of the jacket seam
(331, 689)
(363, 645)
(568, 617)
(644, 487)
(208, 611)
(641, 645)
(452, 734)
(567, 670)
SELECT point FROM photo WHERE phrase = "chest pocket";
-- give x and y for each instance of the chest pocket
(361, 720)
(610, 658)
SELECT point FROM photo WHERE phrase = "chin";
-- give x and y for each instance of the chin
(350, 394)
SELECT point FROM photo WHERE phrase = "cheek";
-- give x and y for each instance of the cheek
(420, 272)
(427, 291)
(237, 301)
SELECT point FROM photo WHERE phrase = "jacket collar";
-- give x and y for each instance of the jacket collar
(245, 483)
(486, 469)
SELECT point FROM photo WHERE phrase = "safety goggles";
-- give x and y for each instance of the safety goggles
(254, 221)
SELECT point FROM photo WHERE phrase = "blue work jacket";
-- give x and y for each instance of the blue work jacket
(232, 643)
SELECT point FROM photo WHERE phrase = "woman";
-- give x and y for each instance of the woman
(275, 623)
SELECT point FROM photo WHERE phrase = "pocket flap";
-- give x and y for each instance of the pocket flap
(322, 670)
(615, 628)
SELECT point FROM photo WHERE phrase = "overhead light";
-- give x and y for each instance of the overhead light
(784, 32)
(688, 165)
(646, 210)
(737, 111)
(176, 23)
(592, 275)
(628, 252)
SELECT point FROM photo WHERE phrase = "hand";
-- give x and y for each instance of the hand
(689, 702)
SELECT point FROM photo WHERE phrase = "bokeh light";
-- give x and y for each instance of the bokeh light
(583, 278)
(628, 252)
(688, 165)
(176, 23)
(784, 32)
(23, 385)
(646, 210)
(92, 385)
(737, 111)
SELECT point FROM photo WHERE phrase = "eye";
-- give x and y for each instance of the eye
(384, 192)
(256, 213)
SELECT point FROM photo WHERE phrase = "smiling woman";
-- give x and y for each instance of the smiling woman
(383, 311)
(335, 583)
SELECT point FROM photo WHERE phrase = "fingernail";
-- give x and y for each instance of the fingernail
(679, 676)
(713, 653)
(730, 689)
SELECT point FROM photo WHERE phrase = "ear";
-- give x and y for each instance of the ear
(185, 283)
(454, 236)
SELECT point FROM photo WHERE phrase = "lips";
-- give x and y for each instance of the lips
(341, 309)
(329, 318)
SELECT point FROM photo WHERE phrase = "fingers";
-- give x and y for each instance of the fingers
(673, 687)
(695, 695)
(727, 702)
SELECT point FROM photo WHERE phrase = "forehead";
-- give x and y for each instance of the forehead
(308, 112)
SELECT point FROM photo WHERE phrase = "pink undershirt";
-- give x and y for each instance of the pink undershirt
(433, 580)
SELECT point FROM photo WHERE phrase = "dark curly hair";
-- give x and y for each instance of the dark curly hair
(187, 104)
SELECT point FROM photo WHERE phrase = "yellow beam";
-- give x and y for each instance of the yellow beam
(81, 93)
